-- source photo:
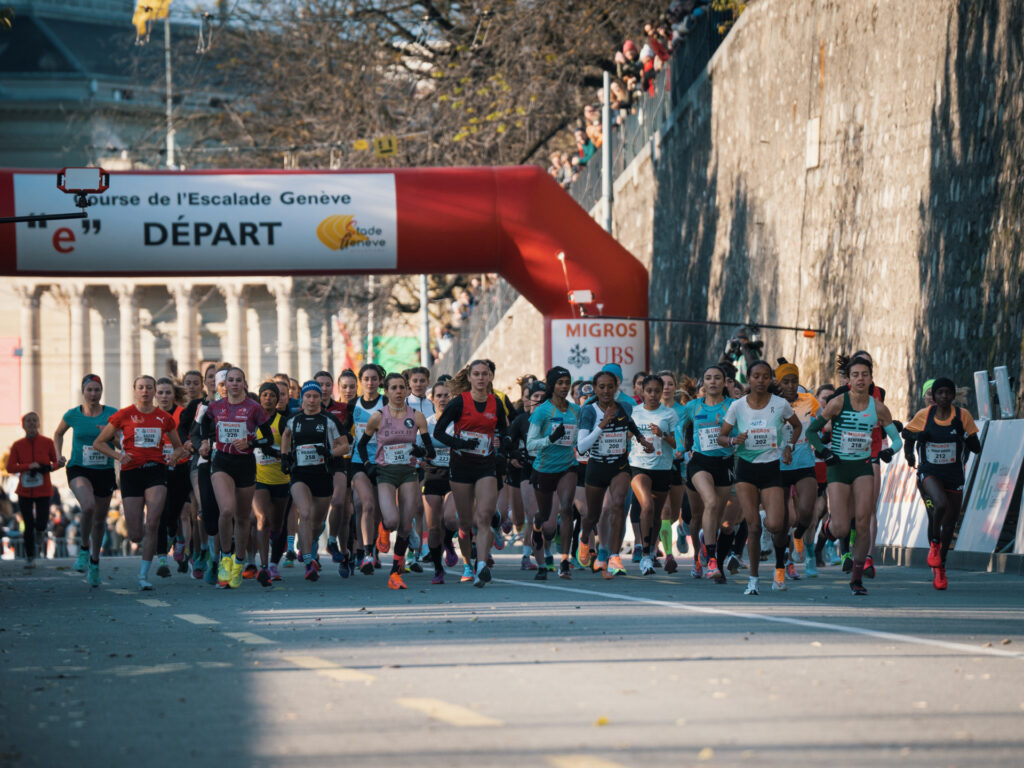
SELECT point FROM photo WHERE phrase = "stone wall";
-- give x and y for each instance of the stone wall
(897, 231)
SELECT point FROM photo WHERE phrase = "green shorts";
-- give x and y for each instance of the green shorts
(396, 474)
(846, 471)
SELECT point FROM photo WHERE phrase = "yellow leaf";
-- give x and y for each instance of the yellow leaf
(361, 145)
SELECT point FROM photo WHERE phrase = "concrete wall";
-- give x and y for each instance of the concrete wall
(898, 231)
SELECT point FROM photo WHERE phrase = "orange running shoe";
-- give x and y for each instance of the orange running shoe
(250, 571)
(583, 555)
(395, 581)
(383, 539)
(615, 566)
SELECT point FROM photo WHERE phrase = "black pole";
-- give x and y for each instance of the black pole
(42, 217)
(702, 322)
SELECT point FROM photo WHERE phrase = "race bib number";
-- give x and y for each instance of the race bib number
(569, 438)
(360, 428)
(93, 458)
(443, 457)
(263, 459)
(307, 456)
(168, 451)
(940, 453)
(397, 454)
(483, 443)
(230, 431)
(707, 438)
(147, 437)
(612, 443)
(31, 479)
(645, 430)
(760, 437)
(855, 442)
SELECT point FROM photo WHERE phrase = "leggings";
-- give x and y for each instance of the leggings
(179, 486)
(208, 501)
(35, 511)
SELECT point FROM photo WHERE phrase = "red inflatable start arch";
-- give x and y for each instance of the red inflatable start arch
(511, 220)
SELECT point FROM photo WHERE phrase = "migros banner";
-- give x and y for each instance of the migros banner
(208, 223)
(585, 345)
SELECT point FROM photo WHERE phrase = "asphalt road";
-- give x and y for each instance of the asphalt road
(584, 672)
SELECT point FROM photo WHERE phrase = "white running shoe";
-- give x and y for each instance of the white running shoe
(646, 566)
(144, 585)
(779, 586)
(751, 586)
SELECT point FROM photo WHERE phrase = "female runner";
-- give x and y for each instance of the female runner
(437, 498)
(521, 468)
(339, 519)
(363, 475)
(140, 429)
(758, 419)
(90, 473)
(396, 427)
(168, 398)
(673, 507)
(271, 496)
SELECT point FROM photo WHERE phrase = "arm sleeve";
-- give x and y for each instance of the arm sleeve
(813, 430)
(428, 445)
(589, 431)
(188, 417)
(364, 441)
(894, 436)
(205, 426)
(448, 416)
(535, 440)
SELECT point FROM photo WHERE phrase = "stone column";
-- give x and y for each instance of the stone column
(282, 292)
(304, 343)
(128, 307)
(254, 345)
(232, 293)
(30, 293)
(78, 341)
(185, 340)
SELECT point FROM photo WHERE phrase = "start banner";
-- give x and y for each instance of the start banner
(183, 222)
(585, 345)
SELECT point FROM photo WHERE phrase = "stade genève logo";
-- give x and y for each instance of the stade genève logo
(339, 231)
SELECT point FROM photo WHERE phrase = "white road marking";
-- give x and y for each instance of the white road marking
(248, 638)
(974, 650)
(195, 618)
(154, 603)
(158, 669)
(581, 761)
(449, 713)
(330, 670)
(124, 592)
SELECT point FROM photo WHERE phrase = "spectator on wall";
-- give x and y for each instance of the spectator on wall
(584, 147)
(592, 125)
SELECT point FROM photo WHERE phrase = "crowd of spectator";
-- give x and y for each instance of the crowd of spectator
(636, 68)
(458, 311)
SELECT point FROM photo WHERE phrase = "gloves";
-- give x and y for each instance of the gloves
(323, 450)
(286, 463)
(463, 443)
(270, 450)
(886, 454)
(418, 452)
(557, 434)
(828, 457)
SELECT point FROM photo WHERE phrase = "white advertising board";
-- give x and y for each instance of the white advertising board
(585, 345)
(902, 519)
(994, 481)
(169, 222)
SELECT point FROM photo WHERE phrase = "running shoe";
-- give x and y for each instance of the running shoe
(343, 569)
(289, 559)
(183, 565)
(376, 560)
(467, 573)
(600, 565)
(414, 566)
(438, 577)
(179, 550)
(828, 554)
(312, 574)
(224, 571)
(30, 562)
(791, 573)
(564, 571)
(316, 564)
(210, 572)
(811, 569)
(144, 585)
(583, 555)
(869, 567)
(549, 563)
(275, 575)
(499, 540)
(766, 537)
(506, 526)
(637, 554)
(646, 566)
(939, 580)
(683, 542)
(615, 566)
(450, 557)
(395, 581)
(483, 575)
(490, 561)
(94, 574)
(541, 575)
(383, 539)
(857, 588)
(712, 570)
(732, 564)
(751, 586)
(527, 564)
(671, 566)
(697, 571)
(236, 574)
(263, 577)
(82, 561)
(250, 571)
(655, 561)
(334, 551)
(934, 555)
(798, 551)
(847, 561)
(164, 570)
(367, 566)
(779, 582)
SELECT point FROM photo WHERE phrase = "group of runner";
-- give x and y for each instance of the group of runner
(231, 484)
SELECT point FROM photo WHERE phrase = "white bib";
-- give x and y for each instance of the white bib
(397, 454)
(230, 431)
(760, 437)
(569, 438)
(612, 443)
(651, 438)
(307, 456)
(263, 459)
(31, 479)
(93, 458)
(940, 453)
(443, 457)
(147, 437)
(168, 451)
(707, 438)
(483, 443)
(855, 442)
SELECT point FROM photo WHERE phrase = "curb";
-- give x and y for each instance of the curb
(961, 561)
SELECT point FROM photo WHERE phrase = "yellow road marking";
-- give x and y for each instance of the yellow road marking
(195, 618)
(449, 713)
(581, 761)
(248, 638)
(330, 670)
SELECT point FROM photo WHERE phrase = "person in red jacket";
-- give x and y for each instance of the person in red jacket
(34, 457)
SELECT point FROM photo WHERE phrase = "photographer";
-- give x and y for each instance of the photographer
(742, 350)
